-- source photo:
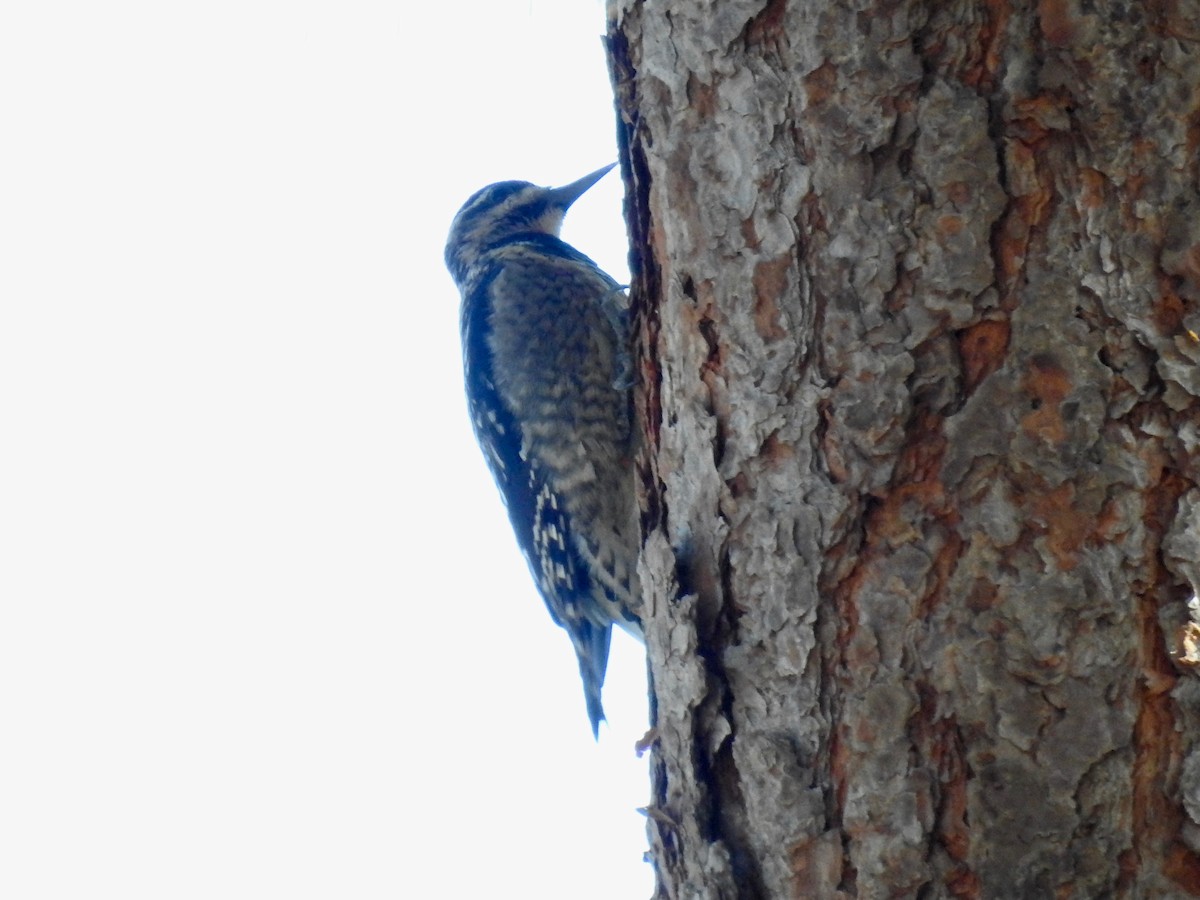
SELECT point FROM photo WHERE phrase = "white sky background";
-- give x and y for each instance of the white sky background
(261, 616)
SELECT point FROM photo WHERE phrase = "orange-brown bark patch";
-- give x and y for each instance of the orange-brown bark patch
(1091, 195)
(1182, 866)
(949, 225)
(1054, 17)
(777, 453)
(1048, 384)
(821, 83)
(963, 884)
(1157, 816)
(1067, 527)
(701, 97)
(981, 348)
(770, 281)
(1170, 308)
(1027, 210)
(766, 27)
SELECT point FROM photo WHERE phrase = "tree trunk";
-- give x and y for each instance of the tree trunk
(920, 294)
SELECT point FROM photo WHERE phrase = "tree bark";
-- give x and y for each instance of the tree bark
(920, 293)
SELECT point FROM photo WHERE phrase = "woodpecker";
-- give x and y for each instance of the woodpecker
(548, 370)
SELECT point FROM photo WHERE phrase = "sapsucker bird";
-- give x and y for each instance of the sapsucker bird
(546, 356)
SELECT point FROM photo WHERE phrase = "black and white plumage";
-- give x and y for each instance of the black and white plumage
(546, 356)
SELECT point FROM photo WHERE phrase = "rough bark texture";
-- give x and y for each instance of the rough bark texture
(920, 287)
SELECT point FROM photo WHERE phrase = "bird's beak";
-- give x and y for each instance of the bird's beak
(569, 193)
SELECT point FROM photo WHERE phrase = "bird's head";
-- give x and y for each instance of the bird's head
(505, 209)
